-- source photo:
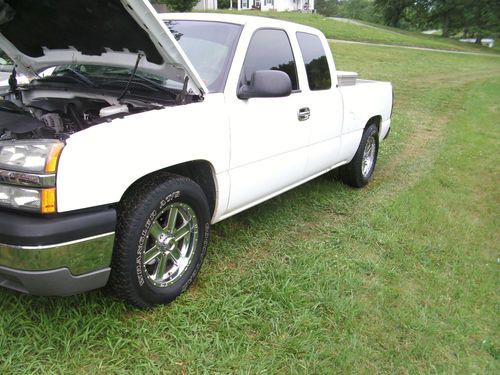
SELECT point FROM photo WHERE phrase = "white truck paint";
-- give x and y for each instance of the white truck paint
(213, 124)
(257, 148)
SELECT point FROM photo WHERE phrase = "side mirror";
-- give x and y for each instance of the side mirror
(266, 84)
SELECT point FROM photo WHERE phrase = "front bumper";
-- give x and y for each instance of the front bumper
(58, 255)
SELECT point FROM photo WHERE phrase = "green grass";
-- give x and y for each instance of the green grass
(400, 277)
(373, 33)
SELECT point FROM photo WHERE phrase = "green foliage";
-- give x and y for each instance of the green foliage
(475, 18)
(223, 4)
(179, 5)
(446, 14)
(327, 8)
(482, 18)
(360, 10)
(353, 9)
(393, 10)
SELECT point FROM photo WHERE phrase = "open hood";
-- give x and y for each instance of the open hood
(44, 33)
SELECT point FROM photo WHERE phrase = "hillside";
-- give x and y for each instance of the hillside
(366, 32)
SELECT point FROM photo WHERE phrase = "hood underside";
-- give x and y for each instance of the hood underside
(44, 33)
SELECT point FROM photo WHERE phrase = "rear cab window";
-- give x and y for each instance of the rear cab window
(270, 49)
(316, 63)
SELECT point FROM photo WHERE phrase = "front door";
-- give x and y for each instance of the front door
(268, 142)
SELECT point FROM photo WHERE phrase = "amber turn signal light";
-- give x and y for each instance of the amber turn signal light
(48, 204)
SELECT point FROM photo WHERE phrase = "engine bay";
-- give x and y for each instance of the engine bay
(42, 113)
(53, 108)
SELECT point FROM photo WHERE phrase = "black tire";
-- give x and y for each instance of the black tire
(145, 209)
(353, 173)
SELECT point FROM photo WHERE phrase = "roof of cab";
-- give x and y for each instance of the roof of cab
(256, 21)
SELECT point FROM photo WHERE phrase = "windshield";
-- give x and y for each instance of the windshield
(111, 77)
(6, 64)
(209, 46)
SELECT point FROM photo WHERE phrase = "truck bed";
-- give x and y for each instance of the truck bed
(361, 99)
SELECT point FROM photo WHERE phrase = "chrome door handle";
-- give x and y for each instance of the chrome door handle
(304, 114)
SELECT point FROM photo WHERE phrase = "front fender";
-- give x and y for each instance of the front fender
(98, 164)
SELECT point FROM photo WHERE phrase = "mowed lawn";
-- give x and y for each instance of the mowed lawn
(400, 277)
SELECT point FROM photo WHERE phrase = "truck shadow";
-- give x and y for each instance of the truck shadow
(256, 222)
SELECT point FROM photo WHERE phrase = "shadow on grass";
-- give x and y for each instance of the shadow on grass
(267, 219)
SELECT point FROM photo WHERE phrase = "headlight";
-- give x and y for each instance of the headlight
(27, 174)
(16, 197)
(30, 156)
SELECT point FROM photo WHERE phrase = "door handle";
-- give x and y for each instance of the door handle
(304, 114)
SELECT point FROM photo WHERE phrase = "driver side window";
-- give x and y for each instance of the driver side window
(270, 49)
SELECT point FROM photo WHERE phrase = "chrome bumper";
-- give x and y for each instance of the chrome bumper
(56, 255)
(81, 256)
(58, 270)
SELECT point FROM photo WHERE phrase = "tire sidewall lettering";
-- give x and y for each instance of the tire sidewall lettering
(145, 233)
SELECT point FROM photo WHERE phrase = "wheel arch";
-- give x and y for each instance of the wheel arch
(200, 171)
(377, 120)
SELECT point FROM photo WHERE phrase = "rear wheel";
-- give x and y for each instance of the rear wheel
(360, 170)
(161, 240)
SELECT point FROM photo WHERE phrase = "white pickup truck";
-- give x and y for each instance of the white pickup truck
(153, 127)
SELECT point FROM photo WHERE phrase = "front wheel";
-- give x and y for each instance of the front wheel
(360, 170)
(161, 240)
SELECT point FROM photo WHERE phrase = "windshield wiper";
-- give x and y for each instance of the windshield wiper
(81, 77)
(143, 81)
(156, 85)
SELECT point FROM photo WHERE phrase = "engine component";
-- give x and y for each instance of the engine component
(53, 121)
(113, 110)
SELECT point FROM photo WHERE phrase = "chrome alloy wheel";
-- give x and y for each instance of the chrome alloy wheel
(368, 156)
(170, 245)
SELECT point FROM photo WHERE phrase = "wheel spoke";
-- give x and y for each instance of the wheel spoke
(151, 254)
(172, 219)
(161, 268)
(171, 245)
(368, 149)
(175, 255)
(182, 232)
(156, 230)
(368, 156)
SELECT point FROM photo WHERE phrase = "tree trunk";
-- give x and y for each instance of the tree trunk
(446, 26)
(478, 39)
(394, 21)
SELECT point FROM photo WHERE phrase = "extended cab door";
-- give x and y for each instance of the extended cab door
(268, 142)
(324, 102)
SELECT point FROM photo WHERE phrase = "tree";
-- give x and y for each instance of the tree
(393, 10)
(359, 9)
(327, 8)
(179, 5)
(475, 18)
(482, 18)
(445, 14)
